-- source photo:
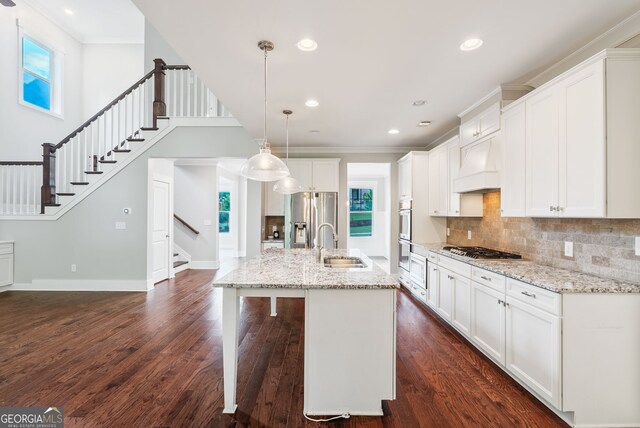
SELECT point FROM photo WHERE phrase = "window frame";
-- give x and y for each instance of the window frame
(222, 211)
(362, 186)
(55, 74)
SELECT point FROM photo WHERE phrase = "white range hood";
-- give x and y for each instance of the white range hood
(479, 167)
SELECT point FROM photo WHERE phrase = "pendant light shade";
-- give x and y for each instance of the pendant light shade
(264, 166)
(287, 185)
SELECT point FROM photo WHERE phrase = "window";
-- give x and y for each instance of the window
(360, 212)
(224, 207)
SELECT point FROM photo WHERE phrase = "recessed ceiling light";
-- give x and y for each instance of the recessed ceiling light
(393, 131)
(424, 123)
(311, 103)
(68, 11)
(418, 103)
(471, 44)
(307, 45)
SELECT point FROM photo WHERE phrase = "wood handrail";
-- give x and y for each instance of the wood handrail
(21, 163)
(187, 225)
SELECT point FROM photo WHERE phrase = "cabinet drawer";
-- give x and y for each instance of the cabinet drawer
(535, 296)
(488, 278)
(6, 248)
(432, 257)
(460, 268)
(419, 291)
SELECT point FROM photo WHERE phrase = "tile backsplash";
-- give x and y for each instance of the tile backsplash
(600, 247)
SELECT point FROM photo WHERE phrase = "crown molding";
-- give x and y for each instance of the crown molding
(327, 150)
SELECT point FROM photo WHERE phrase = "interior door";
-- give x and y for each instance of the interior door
(161, 236)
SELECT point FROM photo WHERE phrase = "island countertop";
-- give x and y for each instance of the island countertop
(298, 268)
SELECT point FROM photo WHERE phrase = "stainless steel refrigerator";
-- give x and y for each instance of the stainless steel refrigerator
(304, 212)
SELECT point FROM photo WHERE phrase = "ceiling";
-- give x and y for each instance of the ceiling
(95, 21)
(373, 58)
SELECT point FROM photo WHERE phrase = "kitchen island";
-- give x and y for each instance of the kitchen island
(350, 326)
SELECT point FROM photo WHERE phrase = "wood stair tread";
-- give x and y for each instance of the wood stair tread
(149, 129)
(51, 205)
(135, 139)
(65, 194)
(121, 150)
(179, 263)
(107, 161)
(93, 172)
(79, 183)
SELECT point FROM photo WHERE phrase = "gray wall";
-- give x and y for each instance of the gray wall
(86, 235)
(155, 46)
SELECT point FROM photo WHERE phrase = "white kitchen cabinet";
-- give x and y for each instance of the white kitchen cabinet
(6, 263)
(512, 195)
(438, 181)
(533, 349)
(433, 285)
(581, 140)
(479, 126)
(444, 305)
(273, 201)
(320, 175)
(404, 178)
(461, 306)
(488, 321)
(459, 204)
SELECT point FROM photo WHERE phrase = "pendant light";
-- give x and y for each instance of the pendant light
(287, 185)
(264, 166)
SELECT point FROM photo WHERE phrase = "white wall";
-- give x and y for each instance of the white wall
(155, 46)
(86, 235)
(108, 70)
(196, 201)
(23, 129)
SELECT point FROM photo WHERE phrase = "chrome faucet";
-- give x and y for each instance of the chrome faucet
(315, 240)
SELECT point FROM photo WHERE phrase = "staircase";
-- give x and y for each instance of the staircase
(73, 168)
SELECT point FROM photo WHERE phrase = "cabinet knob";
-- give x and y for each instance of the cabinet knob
(552, 208)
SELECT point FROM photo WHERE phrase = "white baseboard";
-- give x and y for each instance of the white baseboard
(204, 264)
(83, 285)
(5, 288)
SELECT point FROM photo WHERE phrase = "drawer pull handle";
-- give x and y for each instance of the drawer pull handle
(500, 301)
(450, 277)
(423, 293)
(486, 278)
(528, 294)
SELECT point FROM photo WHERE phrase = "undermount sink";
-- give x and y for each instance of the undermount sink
(344, 262)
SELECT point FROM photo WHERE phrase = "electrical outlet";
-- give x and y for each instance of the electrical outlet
(121, 225)
(468, 234)
(637, 245)
(568, 249)
(74, 268)
(448, 232)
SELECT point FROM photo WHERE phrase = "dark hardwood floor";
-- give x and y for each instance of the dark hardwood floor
(155, 360)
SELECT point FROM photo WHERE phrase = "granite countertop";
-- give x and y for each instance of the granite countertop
(550, 278)
(273, 240)
(297, 268)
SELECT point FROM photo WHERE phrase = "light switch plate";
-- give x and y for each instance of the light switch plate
(469, 234)
(121, 225)
(74, 268)
(448, 232)
(568, 249)
(637, 245)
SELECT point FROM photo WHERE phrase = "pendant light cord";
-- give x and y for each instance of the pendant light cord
(264, 143)
(287, 138)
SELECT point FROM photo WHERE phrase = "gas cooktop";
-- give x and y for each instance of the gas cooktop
(481, 253)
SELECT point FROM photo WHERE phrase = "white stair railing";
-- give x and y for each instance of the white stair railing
(20, 188)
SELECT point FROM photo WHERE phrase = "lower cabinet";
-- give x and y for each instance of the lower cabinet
(488, 321)
(444, 305)
(6, 263)
(461, 311)
(433, 289)
(533, 339)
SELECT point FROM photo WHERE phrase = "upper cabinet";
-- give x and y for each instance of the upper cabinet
(404, 177)
(412, 175)
(273, 201)
(444, 166)
(512, 197)
(480, 125)
(316, 175)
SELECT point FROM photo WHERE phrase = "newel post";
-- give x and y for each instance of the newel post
(159, 106)
(48, 190)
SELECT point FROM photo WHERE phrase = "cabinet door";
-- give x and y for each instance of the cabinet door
(445, 293)
(488, 321)
(443, 194)
(512, 195)
(438, 182)
(469, 132)
(533, 349)
(461, 311)
(542, 154)
(6, 269)
(301, 170)
(489, 120)
(274, 201)
(582, 153)
(326, 175)
(433, 285)
(453, 157)
(404, 178)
